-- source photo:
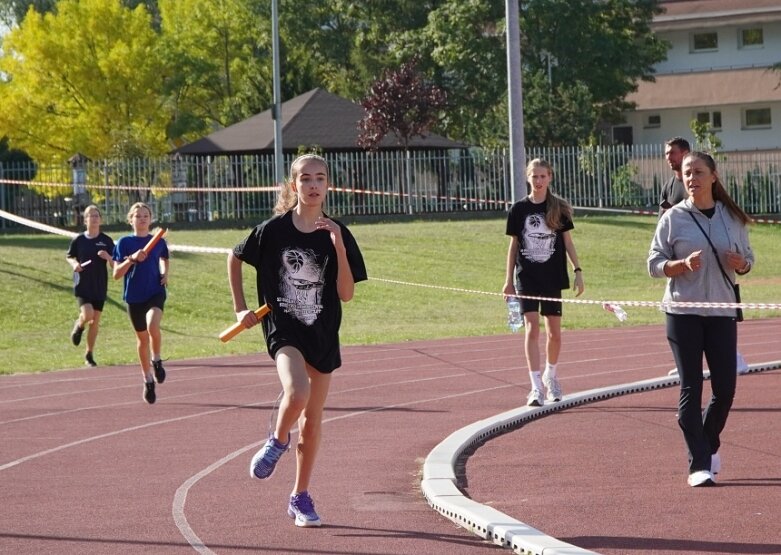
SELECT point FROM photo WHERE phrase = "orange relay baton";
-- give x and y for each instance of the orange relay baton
(155, 238)
(238, 327)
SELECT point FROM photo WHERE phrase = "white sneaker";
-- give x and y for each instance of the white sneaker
(715, 463)
(701, 478)
(553, 386)
(535, 398)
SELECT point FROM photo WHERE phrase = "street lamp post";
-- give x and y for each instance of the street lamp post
(276, 111)
(515, 92)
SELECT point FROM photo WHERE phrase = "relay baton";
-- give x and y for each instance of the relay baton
(155, 238)
(238, 327)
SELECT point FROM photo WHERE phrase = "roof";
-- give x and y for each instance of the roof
(313, 118)
(717, 88)
(688, 14)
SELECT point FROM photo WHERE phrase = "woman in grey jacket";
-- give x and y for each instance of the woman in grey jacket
(700, 244)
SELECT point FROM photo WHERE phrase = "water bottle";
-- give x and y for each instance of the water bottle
(617, 310)
(514, 316)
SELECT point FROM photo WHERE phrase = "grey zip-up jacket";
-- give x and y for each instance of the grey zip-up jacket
(677, 236)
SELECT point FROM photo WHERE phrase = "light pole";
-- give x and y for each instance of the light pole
(276, 111)
(515, 102)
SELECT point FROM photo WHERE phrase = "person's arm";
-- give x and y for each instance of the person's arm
(569, 246)
(121, 268)
(509, 275)
(243, 315)
(74, 264)
(345, 282)
(164, 267)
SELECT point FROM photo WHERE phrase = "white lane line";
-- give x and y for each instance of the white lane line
(180, 497)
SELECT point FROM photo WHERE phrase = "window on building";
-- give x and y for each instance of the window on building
(751, 38)
(653, 120)
(705, 42)
(711, 118)
(754, 118)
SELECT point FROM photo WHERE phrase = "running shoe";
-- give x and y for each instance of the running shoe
(265, 461)
(159, 371)
(302, 508)
(535, 398)
(701, 478)
(553, 386)
(76, 333)
(149, 392)
(89, 360)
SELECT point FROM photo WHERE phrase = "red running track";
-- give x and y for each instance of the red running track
(87, 467)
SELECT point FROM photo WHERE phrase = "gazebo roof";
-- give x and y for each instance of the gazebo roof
(316, 118)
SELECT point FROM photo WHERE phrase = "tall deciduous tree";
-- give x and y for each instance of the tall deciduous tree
(591, 53)
(85, 78)
(221, 52)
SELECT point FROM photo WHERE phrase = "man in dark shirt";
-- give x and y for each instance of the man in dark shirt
(673, 191)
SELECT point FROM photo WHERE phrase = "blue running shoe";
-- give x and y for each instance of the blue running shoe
(265, 461)
(302, 508)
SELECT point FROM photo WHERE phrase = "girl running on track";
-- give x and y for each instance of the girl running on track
(88, 254)
(539, 227)
(307, 264)
(146, 277)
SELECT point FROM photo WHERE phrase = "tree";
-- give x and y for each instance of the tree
(595, 51)
(705, 139)
(221, 53)
(401, 102)
(84, 79)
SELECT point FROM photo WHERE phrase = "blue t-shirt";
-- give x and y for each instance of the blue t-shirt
(142, 281)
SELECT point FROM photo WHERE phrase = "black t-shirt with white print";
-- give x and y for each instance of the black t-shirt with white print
(541, 262)
(296, 277)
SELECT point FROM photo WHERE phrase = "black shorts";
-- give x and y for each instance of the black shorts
(545, 308)
(137, 311)
(96, 305)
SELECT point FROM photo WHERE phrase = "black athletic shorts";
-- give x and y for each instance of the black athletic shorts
(137, 311)
(96, 305)
(545, 308)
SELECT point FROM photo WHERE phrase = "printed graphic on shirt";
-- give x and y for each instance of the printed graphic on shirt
(301, 285)
(538, 239)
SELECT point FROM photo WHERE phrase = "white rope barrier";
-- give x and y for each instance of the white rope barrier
(605, 304)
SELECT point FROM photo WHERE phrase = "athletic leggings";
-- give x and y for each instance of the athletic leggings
(717, 338)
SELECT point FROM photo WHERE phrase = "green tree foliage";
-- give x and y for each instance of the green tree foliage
(83, 79)
(136, 76)
(592, 54)
(220, 53)
(606, 45)
(401, 102)
(462, 46)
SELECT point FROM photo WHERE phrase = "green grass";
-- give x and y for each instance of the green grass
(37, 307)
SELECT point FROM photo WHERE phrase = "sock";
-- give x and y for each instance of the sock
(536, 379)
(149, 378)
(156, 356)
(550, 370)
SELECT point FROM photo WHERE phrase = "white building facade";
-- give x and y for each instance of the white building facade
(718, 70)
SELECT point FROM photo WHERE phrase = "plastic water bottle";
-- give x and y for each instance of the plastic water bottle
(617, 310)
(514, 316)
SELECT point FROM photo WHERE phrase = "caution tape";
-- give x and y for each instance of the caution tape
(603, 303)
